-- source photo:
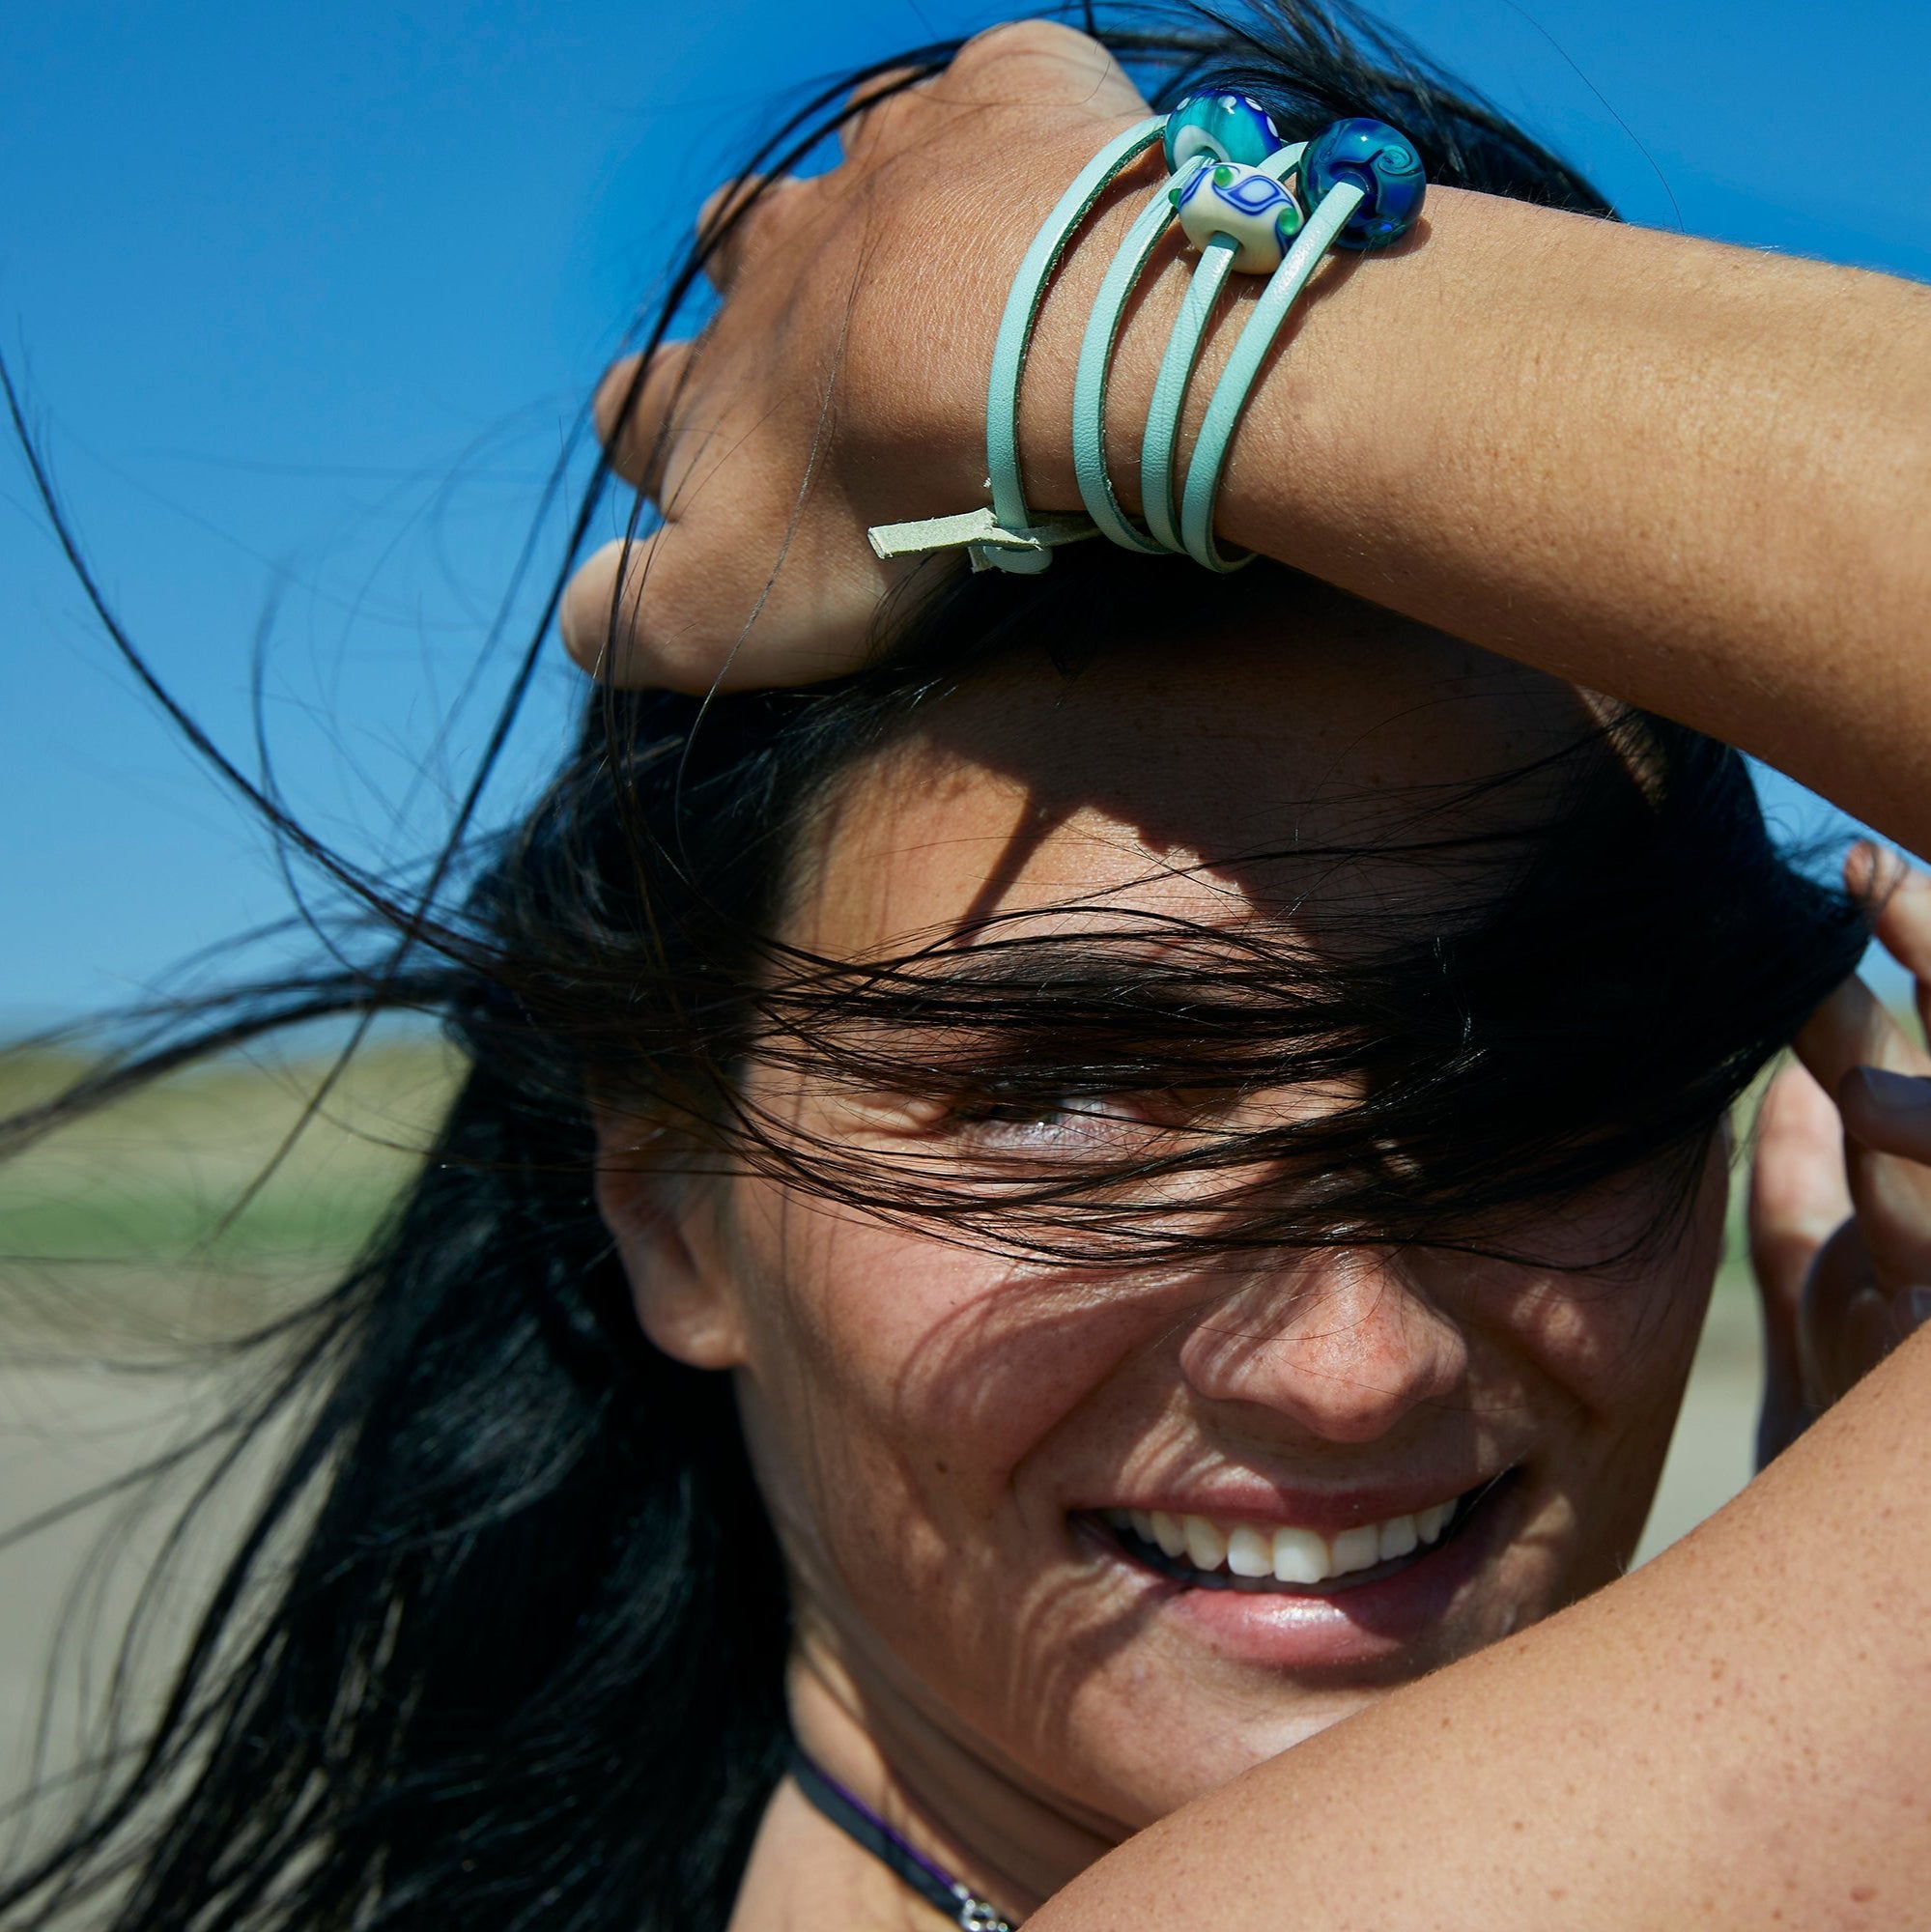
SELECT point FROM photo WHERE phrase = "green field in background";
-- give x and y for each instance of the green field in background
(145, 1208)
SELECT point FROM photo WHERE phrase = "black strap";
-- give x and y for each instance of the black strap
(860, 1822)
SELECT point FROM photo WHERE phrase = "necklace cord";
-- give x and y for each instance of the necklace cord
(860, 1822)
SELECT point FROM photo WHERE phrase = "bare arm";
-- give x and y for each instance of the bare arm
(1692, 475)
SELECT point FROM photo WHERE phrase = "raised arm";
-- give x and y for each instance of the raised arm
(1692, 475)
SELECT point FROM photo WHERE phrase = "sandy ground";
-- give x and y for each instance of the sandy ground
(62, 1430)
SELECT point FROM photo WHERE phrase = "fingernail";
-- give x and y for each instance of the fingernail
(1901, 1094)
(1874, 868)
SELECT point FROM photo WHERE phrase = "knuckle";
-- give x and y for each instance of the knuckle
(632, 409)
(1024, 39)
(738, 216)
(881, 92)
(612, 404)
(728, 201)
(611, 628)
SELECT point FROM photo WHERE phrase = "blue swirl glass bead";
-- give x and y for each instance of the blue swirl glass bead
(1378, 158)
(1225, 126)
(1246, 206)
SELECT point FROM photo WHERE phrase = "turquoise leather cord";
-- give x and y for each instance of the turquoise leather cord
(1008, 537)
(1015, 332)
(1177, 367)
(1243, 366)
(1096, 366)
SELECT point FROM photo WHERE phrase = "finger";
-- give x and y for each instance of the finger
(735, 221)
(1847, 1329)
(1889, 1112)
(1852, 1029)
(599, 610)
(876, 111)
(1890, 1185)
(1900, 896)
(1044, 63)
(620, 624)
(701, 606)
(1799, 1194)
(1798, 1197)
(632, 409)
(1891, 1192)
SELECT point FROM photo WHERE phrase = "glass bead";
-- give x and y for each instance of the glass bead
(1246, 206)
(1378, 158)
(1225, 126)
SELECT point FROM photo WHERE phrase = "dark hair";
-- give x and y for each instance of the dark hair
(503, 1644)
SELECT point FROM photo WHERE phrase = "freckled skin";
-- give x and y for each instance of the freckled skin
(922, 1415)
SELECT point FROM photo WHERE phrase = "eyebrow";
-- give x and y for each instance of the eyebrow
(1048, 962)
(1210, 1009)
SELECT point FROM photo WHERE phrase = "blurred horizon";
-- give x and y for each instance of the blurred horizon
(305, 305)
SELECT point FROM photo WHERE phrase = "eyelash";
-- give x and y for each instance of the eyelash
(1098, 1118)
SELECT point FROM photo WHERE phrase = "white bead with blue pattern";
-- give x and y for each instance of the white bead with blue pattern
(1243, 204)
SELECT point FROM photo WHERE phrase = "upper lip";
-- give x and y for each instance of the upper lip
(1323, 1510)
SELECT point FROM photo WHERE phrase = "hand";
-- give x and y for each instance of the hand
(842, 384)
(1841, 1191)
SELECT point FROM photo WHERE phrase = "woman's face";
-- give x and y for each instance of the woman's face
(964, 1453)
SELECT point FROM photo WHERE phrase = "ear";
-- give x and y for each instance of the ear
(663, 1220)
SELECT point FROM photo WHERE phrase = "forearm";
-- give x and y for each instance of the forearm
(1735, 1736)
(1692, 475)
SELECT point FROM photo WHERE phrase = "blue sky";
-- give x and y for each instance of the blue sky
(307, 298)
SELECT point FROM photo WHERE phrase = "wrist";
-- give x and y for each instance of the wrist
(1046, 394)
(1147, 325)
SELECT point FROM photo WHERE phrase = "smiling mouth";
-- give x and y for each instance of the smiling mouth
(1205, 1554)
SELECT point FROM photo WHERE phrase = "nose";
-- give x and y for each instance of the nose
(1341, 1344)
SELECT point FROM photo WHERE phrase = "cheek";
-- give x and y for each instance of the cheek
(1619, 1340)
(1618, 1348)
(896, 1385)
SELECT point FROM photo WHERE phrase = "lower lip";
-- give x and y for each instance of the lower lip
(1350, 1626)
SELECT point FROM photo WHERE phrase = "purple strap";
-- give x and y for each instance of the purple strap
(858, 1822)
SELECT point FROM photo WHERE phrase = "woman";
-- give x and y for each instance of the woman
(1087, 1138)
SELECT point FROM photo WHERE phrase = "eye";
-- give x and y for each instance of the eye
(1090, 1124)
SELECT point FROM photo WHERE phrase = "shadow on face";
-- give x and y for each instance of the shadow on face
(1298, 770)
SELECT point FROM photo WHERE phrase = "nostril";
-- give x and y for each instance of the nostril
(1344, 1356)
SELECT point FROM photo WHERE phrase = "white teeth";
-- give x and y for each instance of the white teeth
(1288, 1555)
(1250, 1551)
(1207, 1546)
(1356, 1550)
(1301, 1556)
(1399, 1536)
